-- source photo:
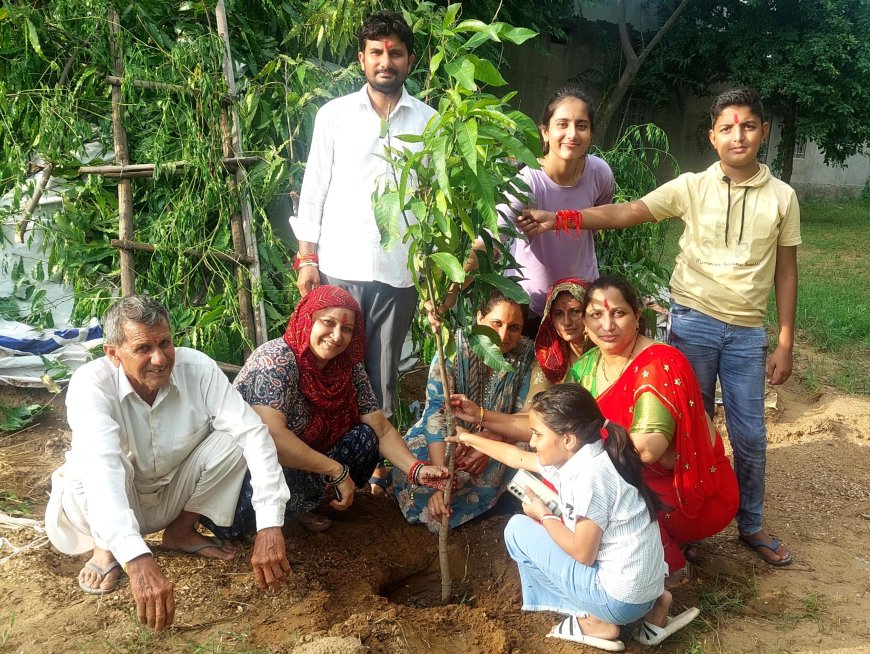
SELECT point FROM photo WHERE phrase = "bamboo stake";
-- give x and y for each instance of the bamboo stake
(125, 189)
(147, 170)
(161, 86)
(241, 174)
(190, 252)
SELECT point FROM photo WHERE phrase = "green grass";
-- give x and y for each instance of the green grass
(833, 314)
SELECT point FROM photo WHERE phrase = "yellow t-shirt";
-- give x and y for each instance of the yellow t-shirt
(731, 280)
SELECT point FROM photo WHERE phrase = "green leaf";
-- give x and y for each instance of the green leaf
(516, 35)
(450, 265)
(466, 139)
(462, 70)
(450, 14)
(435, 62)
(33, 37)
(506, 286)
(484, 342)
(387, 208)
(486, 72)
(512, 145)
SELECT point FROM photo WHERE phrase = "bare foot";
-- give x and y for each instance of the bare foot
(100, 574)
(658, 614)
(592, 626)
(186, 540)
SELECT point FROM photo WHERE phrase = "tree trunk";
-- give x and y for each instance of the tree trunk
(785, 152)
(634, 61)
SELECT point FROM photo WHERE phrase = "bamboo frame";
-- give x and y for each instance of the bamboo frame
(231, 164)
(125, 189)
(242, 227)
(245, 252)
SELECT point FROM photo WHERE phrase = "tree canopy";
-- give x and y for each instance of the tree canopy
(809, 59)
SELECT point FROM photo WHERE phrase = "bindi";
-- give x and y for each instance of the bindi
(388, 45)
(606, 304)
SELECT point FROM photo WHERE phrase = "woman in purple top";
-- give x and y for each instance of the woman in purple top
(569, 178)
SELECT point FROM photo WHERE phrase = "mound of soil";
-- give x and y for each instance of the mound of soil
(371, 583)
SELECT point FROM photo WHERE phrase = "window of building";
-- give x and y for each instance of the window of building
(800, 149)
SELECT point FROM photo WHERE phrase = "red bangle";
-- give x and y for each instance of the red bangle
(310, 258)
(414, 471)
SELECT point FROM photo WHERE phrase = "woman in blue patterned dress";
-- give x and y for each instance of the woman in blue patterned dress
(480, 481)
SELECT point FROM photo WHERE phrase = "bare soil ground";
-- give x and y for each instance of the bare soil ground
(371, 582)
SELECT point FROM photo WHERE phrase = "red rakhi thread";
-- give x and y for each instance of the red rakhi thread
(568, 219)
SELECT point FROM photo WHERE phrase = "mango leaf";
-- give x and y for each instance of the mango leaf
(435, 62)
(516, 35)
(451, 13)
(449, 341)
(462, 70)
(506, 286)
(512, 145)
(472, 25)
(387, 208)
(486, 72)
(484, 342)
(450, 265)
(466, 138)
(484, 199)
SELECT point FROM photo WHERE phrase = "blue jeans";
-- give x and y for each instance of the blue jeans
(552, 581)
(737, 356)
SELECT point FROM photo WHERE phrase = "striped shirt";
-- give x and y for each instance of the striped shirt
(630, 560)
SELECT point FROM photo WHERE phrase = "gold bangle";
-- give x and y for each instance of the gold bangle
(480, 421)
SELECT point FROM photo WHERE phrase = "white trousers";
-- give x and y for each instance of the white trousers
(207, 483)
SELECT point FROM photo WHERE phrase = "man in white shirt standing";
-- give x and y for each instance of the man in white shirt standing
(339, 242)
(159, 438)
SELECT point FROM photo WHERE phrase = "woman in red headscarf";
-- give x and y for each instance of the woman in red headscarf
(311, 389)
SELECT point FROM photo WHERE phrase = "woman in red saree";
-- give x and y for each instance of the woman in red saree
(651, 390)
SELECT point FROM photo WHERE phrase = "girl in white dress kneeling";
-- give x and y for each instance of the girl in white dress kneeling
(602, 562)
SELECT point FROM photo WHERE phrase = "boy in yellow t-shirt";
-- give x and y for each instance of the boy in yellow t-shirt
(742, 229)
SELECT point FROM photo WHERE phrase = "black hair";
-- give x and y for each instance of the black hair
(383, 24)
(740, 97)
(570, 91)
(625, 289)
(495, 298)
(571, 409)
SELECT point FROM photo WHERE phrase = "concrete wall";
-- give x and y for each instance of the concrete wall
(686, 120)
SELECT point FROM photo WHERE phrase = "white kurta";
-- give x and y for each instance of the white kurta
(159, 453)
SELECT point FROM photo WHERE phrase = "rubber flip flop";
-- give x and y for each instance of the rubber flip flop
(772, 545)
(569, 629)
(93, 567)
(650, 634)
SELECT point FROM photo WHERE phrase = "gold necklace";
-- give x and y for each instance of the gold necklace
(627, 361)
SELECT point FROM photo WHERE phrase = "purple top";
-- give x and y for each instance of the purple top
(552, 256)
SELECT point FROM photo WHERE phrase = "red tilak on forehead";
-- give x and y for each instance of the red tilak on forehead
(606, 304)
(346, 321)
(388, 44)
(736, 118)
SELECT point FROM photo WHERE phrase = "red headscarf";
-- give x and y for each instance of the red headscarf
(550, 350)
(330, 391)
